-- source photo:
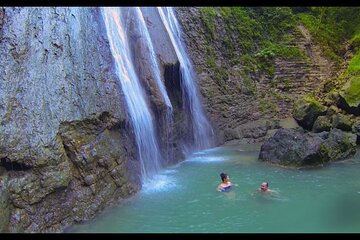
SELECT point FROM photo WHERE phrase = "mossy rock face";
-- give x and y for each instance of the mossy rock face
(332, 110)
(306, 111)
(295, 148)
(350, 97)
(342, 122)
(339, 145)
(322, 123)
(351, 92)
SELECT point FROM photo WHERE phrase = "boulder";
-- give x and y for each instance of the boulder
(292, 147)
(306, 111)
(296, 148)
(322, 123)
(339, 145)
(350, 96)
(342, 122)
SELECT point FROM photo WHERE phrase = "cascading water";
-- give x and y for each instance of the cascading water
(155, 69)
(142, 29)
(148, 150)
(201, 128)
(128, 34)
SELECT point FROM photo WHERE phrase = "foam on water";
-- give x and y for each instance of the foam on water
(207, 159)
(160, 183)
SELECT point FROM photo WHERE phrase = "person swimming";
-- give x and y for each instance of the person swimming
(225, 189)
(225, 185)
(264, 187)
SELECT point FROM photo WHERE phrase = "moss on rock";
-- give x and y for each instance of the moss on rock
(351, 91)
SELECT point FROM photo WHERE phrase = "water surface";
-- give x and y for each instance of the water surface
(184, 199)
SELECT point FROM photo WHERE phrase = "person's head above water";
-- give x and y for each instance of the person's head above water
(264, 186)
(225, 184)
(224, 177)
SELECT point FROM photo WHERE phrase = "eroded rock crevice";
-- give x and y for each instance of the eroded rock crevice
(13, 166)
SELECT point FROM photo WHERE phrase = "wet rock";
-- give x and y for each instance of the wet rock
(253, 130)
(296, 148)
(306, 112)
(350, 97)
(339, 145)
(322, 123)
(291, 147)
(342, 122)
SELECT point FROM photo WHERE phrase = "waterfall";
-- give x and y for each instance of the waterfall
(153, 61)
(138, 109)
(139, 73)
(155, 69)
(201, 128)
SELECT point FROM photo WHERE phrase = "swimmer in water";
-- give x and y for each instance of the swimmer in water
(264, 187)
(225, 184)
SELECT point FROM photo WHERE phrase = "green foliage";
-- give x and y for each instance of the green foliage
(266, 53)
(221, 79)
(329, 38)
(238, 21)
(313, 102)
(249, 62)
(266, 65)
(351, 90)
(311, 22)
(355, 41)
(265, 106)
(276, 21)
(345, 19)
(275, 94)
(262, 34)
(221, 75)
(249, 84)
(210, 57)
(274, 50)
(354, 65)
(287, 84)
(262, 105)
(331, 27)
(207, 15)
(255, 36)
